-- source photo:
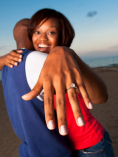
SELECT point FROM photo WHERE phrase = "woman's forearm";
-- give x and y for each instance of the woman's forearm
(95, 86)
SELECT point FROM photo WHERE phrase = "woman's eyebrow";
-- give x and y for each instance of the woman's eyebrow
(54, 27)
(49, 26)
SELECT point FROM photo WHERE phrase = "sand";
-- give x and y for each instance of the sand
(106, 113)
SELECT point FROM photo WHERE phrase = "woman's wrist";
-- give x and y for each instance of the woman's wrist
(2, 62)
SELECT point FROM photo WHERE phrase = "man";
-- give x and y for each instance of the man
(27, 117)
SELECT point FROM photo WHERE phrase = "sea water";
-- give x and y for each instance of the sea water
(94, 62)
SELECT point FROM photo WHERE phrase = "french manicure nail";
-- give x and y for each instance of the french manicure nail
(51, 125)
(90, 105)
(63, 130)
(81, 121)
(23, 97)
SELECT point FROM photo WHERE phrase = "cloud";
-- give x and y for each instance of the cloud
(114, 47)
(91, 13)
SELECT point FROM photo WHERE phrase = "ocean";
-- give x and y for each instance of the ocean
(107, 61)
(94, 62)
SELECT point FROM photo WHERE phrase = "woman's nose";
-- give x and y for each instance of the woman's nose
(43, 36)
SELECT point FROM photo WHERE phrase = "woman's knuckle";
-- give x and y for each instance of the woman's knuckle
(36, 88)
(48, 101)
(59, 76)
(62, 120)
(8, 56)
(46, 79)
(14, 57)
(12, 52)
(73, 96)
(60, 102)
(49, 115)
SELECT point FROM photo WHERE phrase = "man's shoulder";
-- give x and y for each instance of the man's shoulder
(25, 51)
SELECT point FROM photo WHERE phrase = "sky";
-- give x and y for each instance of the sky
(95, 23)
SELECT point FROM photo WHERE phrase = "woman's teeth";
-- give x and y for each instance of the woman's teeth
(43, 45)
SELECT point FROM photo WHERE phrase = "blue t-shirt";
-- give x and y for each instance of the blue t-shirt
(28, 118)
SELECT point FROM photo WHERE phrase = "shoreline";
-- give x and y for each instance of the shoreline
(106, 68)
(106, 113)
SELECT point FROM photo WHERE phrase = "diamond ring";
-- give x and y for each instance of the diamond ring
(72, 86)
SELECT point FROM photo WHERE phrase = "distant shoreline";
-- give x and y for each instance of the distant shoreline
(106, 68)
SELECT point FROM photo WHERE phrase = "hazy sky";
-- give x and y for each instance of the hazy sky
(95, 23)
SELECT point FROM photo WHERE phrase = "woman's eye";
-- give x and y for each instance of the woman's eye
(37, 32)
(51, 33)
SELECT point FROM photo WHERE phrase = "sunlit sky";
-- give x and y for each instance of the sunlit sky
(95, 23)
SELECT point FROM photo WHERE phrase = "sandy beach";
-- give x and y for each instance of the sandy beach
(106, 113)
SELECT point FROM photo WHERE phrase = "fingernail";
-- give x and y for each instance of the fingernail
(20, 60)
(15, 63)
(20, 56)
(90, 105)
(81, 121)
(23, 97)
(51, 125)
(63, 130)
(11, 66)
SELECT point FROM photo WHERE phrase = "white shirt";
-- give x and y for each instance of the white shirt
(33, 66)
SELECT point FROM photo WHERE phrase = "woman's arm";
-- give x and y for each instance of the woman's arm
(11, 59)
(2, 62)
(62, 68)
(95, 86)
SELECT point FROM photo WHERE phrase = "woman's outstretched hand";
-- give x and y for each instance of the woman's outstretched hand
(60, 70)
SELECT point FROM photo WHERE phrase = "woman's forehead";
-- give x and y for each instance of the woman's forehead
(51, 22)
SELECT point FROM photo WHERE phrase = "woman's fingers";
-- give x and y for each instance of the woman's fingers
(72, 95)
(58, 72)
(61, 105)
(81, 87)
(49, 104)
(85, 96)
(16, 53)
(13, 58)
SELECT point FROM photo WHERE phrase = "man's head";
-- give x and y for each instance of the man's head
(21, 34)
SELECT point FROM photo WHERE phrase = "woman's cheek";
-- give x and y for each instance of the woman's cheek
(33, 38)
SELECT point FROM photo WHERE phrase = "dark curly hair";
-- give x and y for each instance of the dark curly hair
(67, 31)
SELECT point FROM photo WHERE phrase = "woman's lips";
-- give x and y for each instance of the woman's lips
(44, 48)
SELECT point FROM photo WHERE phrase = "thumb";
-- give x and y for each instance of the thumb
(31, 95)
(35, 91)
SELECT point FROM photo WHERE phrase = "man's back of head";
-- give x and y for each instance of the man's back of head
(21, 34)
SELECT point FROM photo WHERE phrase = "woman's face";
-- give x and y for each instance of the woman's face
(46, 36)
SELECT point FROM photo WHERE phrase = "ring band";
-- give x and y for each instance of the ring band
(72, 86)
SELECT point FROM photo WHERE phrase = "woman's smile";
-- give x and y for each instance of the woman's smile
(44, 48)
